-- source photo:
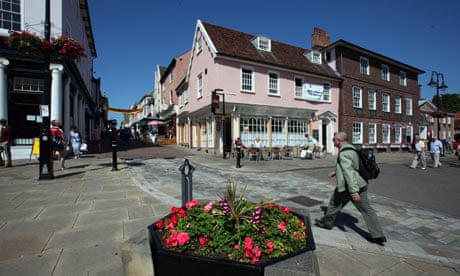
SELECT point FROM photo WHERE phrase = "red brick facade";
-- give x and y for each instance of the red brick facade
(346, 58)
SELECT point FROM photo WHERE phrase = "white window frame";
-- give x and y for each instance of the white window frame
(185, 96)
(386, 133)
(372, 99)
(372, 133)
(199, 86)
(247, 79)
(423, 132)
(409, 111)
(385, 72)
(327, 92)
(398, 135)
(296, 132)
(298, 90)
(386, 102)
(28, 85)
(357, 94)
(7, 18)
(264, 44)
(273, 83)
(398, 102)
(357, 133)
(402, 78)
(364, 66)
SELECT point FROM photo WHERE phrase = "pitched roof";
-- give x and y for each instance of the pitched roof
(235, 44)
(359, 49)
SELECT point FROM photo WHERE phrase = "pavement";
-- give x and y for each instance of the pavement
(77, 223)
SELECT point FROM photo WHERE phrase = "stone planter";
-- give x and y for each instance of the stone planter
(167, 262)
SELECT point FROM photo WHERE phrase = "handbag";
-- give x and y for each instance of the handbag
(84, 147)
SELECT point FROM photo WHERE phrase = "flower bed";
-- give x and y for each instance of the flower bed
(227, 237)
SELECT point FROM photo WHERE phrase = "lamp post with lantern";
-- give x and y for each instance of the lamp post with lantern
(437, 80)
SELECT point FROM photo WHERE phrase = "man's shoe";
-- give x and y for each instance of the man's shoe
(379, 241)
(321, 224)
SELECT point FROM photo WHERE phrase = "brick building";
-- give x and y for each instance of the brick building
(378, 96)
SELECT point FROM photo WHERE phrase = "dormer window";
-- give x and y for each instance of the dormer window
(314, 57)
(262, 43)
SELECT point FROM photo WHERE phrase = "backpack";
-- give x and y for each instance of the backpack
(368, 167)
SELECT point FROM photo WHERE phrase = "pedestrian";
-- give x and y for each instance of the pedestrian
(420, 149)
(6, 137)
(59, 143)
(97, 138)
(436, 151)
(75, 141)
(350, 186)
(239, 146)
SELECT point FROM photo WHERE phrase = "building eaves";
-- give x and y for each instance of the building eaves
(362, 50)
(88, 28)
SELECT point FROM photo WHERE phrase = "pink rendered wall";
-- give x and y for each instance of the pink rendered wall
(225, 74)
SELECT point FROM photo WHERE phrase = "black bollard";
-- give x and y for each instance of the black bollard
(238, 157)
(187, 174)
(113, 136)
(114, 156)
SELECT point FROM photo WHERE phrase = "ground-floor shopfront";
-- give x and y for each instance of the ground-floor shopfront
(22, 89)
(274, 126)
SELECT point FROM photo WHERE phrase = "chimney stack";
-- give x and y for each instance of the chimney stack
(319, 39)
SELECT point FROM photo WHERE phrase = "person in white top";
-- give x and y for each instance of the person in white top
(420, 149)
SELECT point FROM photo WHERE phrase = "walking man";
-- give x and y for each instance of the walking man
(436, 151)
(350, 186)
(420, 150)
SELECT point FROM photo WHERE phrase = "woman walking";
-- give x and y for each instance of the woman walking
(75, 141)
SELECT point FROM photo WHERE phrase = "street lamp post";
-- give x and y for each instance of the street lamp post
(46, 154)
(438, 86)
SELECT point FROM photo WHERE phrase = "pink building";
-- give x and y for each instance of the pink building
(271, 90)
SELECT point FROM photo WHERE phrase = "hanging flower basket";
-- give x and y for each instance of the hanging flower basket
(68, 47)
(27, 43)
(230, 236)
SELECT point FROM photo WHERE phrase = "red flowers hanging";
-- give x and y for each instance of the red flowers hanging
(32, 45)
(68, 47)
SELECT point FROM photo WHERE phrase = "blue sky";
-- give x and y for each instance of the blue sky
(133, 37)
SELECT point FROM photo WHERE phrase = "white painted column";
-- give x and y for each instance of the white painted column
(66, 111)
(3, 89)
(56, 92)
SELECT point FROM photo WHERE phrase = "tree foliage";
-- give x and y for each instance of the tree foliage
(448, 102)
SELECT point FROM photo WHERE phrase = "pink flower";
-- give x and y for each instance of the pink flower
(248, 243)
(208, 207)
(285, 210)
(183, 238)
(191, 203)
(236, 246)
(159, 224)
(282, 226)
(270, 247)
(203, 240)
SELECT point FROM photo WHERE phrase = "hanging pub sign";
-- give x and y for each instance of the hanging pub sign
(214, 102)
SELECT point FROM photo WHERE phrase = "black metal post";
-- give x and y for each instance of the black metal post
(186, 170)
(46, 169)
(113, 135)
